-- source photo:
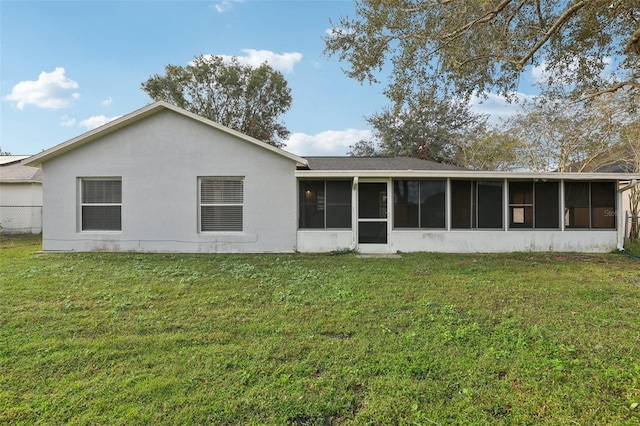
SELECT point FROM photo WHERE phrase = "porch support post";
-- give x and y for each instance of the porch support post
(354, 214)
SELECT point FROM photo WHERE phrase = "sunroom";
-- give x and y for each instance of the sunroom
(392, 205)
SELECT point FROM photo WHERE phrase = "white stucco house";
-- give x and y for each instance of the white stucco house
(20, 196)
(162, 179)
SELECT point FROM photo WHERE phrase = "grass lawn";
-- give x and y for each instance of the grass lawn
(430, 339)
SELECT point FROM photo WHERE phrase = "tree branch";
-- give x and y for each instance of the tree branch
(556, 25)
(486, 18)
(611, 89)
(633, 45)
(512, 17)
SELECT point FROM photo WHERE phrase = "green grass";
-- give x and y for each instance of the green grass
(103, 338)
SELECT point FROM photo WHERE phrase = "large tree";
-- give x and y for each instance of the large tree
(247, 99)
(480, 46)
(435, 129)
(570, 137)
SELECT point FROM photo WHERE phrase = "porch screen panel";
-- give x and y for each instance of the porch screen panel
(372, 201)
(372, 232)
(338, 210)
(101, 204)
(576, 204)
(221, 204)
(521, 204)
(312, 203)
(603, 202)
(432, 204)
(406, 203)
(547, 205)
(461, 203)
(490, 204)
(324, 204)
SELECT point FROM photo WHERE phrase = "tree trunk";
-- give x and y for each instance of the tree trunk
(634, 206)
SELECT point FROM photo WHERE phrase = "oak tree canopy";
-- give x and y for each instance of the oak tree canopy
(247, 99)
(481, 46)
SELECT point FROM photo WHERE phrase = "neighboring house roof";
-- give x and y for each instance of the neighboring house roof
(8, 159)
(12, 171)
(376, 163)
(617, 167)
(138, 115)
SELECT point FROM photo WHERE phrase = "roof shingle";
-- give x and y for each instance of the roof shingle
(376, 163)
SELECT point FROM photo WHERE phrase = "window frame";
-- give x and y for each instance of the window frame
(476, 211)
(82, 203)
(590, 205)
(533, 208)
(419, 205)
(202, 205)
(324, 203)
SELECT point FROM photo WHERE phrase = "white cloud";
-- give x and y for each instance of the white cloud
(541, 73)
(224, 6)
(327, 143)
(282, 62)
(496, 106)
(107, 102)
(333, 32)
(67, 122)
(52, 90)
(96, 121)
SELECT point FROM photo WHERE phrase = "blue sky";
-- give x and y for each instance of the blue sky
(68, 66)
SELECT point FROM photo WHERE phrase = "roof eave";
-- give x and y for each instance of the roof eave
(462, 174)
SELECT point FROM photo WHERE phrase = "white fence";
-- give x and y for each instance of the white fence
(20, 219)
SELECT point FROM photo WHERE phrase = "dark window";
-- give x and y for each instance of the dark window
(476, 204)
(547, 205)
(101, 204)
(590, 205)
(576, 204)
(372, 232)
(221, 204)
(338, 210)
(406, 204)
(520, 204)
(419, 204)
(372, 201)
(533, 205)
(325, 204)
(603, 205)
(490, 204)
(461, 203)
(312, 204)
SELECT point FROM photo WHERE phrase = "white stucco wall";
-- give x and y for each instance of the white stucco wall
(159, 160)
(485, 241)
(319, 241)
(469, 241)
(21, 207)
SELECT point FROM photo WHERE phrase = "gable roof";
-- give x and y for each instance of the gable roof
(141, 114)
(376, 163)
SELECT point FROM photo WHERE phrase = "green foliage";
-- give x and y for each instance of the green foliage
(479, 47)
(429, 128)
(106, 338)
(249, 100)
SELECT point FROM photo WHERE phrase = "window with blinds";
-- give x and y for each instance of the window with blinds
(101, 204)
(221, 204)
